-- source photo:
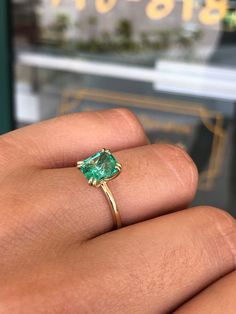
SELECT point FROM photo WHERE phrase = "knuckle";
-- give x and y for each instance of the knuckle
(179, 153)
(126, 114)
(225, 226)
(184, 167)
(219, 216)
(132, 122)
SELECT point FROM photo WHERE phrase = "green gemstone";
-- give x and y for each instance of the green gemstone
(100, 166)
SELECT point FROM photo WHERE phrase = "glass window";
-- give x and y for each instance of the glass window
(172, 62)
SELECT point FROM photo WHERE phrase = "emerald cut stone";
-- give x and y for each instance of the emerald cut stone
(100, 166)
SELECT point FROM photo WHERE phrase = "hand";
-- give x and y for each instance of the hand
(58, 253)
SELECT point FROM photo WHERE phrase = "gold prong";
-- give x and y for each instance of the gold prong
(90, 181)
(108, 151)
(79, 164)
(103, 150)
(118, 166)
(94, 182)
(97, 184)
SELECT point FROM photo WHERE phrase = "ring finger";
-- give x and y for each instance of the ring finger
(156, 179)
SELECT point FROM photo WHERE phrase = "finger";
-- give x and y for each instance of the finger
(155, 266)
(62, 141)
(217, 299)
(155, 179)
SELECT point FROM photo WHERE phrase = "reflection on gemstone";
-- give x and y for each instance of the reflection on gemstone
(100, 166)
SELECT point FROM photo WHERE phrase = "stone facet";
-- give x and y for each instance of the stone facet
(100, 166)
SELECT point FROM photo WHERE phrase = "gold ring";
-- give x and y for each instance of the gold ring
(99, 169)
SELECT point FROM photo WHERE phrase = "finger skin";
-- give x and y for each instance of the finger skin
(151, 267)
(216, 299)
(155, 266)
(62, 141)
(155, 179)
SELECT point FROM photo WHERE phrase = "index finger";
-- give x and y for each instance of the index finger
(61, 141)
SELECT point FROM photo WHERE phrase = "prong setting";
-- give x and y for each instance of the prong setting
(90, 181)
(96, 183)
(79, 164)
(104, 150)
(100, 167)
(118, 166)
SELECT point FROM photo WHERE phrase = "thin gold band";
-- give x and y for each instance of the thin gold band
(114, 210)
(98, 164)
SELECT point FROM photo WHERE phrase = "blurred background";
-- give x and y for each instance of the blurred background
(172, 62)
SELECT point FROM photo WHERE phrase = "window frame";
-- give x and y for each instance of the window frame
(6, 66)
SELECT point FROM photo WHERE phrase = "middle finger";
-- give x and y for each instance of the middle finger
(155, 179)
